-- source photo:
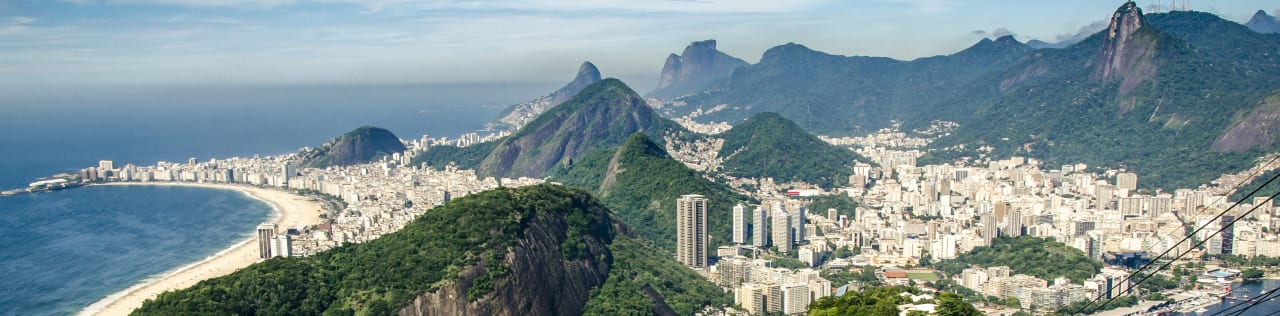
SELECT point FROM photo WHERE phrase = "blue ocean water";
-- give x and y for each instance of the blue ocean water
(61, 251)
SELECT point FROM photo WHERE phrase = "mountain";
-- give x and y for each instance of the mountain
(768, 145)
(361, 145)
(540, 250)
(1179, 98)
(641, 183)
(833, 94)
(517, 115)
(1262, 22)
(599, 117)
(699, 68)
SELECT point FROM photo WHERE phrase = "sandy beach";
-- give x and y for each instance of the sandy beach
(290, 211)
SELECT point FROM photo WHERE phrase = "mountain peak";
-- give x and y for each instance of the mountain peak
(700, 67)
(587, 75)
(1122, 55)
(519, 114)
(361, 145)
(1263, 23)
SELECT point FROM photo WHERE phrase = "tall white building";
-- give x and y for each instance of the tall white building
(1127, 180)
(739, 224)
(691, 230)
(781, 230)
(281, 246)
(265, 233)
(760, 227)
(795, 299)
(797, 223)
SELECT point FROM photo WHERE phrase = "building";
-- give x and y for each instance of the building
(752, 297)
(691, 230)
(281, 246)
(796, 299)
(265, 234)
(1228, 234)
(781, 230)
(760, 227)
(797, 224)
(1127, 180)
(989, 229)
(740, 224)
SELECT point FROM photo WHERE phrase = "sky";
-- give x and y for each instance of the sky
(55, 45)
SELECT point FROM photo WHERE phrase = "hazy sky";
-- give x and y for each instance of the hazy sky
(48, 44)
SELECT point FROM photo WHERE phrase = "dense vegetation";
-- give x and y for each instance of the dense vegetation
(641, 183)
(361, 145)
(1079, 308)
(462, 157)
(602, 116)
(639, 266)
(884, 301)
(1209, 74)
(843, 204)
(1255, 184)
(383, 275)
(1041, 257)
(768, 145)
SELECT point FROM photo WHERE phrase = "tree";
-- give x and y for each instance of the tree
(1251, 274)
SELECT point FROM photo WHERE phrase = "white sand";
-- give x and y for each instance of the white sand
(290, 211)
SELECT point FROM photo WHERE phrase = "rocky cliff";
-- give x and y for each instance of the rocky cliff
(1262, 22)
(517, 115)
(358, 146)
(700, 67)
(1129, 51)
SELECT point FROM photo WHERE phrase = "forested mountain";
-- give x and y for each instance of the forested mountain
(361, 145)
(640, 182)
(768, 145)
(540, 250)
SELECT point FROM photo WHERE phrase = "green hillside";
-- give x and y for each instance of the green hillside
(476, 253)
(641, 183)
(768, 145)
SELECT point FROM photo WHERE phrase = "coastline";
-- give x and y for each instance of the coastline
(288, 211)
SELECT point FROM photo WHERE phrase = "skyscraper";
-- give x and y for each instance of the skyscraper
(281, 246)
(265, 233)
(1127, 180)
(989, 229)
(797, 223)
(1228, 234)
(739, 224)
(781, 230)
(760, 227)
(691, 230)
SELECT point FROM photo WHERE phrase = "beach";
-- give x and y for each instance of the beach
(289, 211)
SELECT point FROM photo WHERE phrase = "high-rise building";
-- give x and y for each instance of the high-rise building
(1127, 180)
(795, 299)
(781, 230)
(832, 214)
(1228, 234)
(1013, 224)
(288, 171)
(281, 246)
(106, 165)
(691, 230)
(989, 229)
(760, 227)
(797, 223)
(265, 233)
(739, 224)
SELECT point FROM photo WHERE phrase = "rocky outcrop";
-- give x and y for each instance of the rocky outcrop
(1263, 23)
(543, 281)
(699, 68)
(1129, 52)
(601, 116)
(362, 145)
(517, 115)
(1258, 128)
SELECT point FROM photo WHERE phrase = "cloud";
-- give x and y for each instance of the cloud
(373, 6)
(930, 6)
(1083, 32)
(16, 25)
(997, 33)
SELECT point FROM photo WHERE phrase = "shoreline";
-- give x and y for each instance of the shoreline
(287, 211)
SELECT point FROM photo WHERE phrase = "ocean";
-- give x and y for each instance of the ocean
(1252, 290)
(61, 251)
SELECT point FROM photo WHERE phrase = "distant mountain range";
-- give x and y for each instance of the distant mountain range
(701, 67)
(361, 145)
(1262, 22)
(517, 115)
(1178, 97)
